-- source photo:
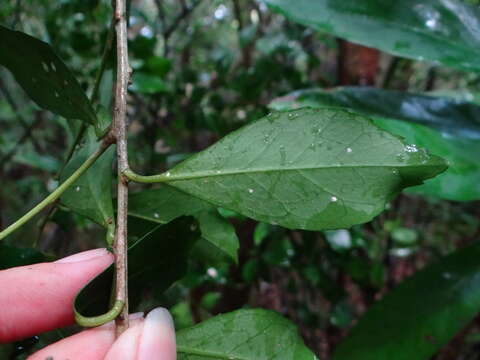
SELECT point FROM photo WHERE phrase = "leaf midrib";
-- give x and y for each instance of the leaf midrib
(171, 177)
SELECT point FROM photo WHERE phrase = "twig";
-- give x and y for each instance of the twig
(16, 110)
(57, 192)
(119, 131)
(167, 31)
(186, 11)
(26, 135)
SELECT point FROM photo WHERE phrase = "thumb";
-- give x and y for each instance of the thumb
(152, 339)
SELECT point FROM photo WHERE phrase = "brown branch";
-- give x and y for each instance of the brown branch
(119, 132)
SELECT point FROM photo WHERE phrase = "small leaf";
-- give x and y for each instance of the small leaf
(307, 169)
(243, 335)
(445, 32)
(404, 320)
(164, 204)
(453, 130)
(156, 260)
(91, 194)
(43, 76)
(219, 232)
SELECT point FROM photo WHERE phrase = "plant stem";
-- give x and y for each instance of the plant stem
(57, 192)
(119, 129)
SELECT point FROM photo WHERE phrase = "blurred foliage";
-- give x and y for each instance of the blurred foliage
(202, 68)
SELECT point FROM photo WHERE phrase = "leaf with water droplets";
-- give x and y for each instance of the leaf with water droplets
(243, 335)
(164, 204)
(446, 32)
(91, 194)
(453, 130)
(43, 76)
(287, 182)
(420, 315)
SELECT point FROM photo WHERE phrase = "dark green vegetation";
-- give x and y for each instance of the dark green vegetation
(273, 177)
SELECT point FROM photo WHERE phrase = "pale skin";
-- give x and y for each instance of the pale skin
(38, 298)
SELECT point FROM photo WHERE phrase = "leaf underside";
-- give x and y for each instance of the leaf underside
(310, 169)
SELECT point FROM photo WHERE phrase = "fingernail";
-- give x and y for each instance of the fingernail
(158, 337)
(83, 256)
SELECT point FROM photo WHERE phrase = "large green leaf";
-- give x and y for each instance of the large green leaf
(308, 169)
(166, 203)
(43, 76)
(91, 194)
(243, 335)
(454, 133)
(421, 315)
(446, 32)
(155, 260)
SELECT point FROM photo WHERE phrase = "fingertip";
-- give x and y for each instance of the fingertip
(157, 340)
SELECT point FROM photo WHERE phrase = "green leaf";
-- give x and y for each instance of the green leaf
(166, 203)
(12, 256)
(156, 260)
(243, 335)
(453, 135)
(404, 320)
(219, 232)
(308, 169)
(445, 32)
(43, 76)
(91, 194)
(163, 204)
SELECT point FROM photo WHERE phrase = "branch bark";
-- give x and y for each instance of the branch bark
(119, 132)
